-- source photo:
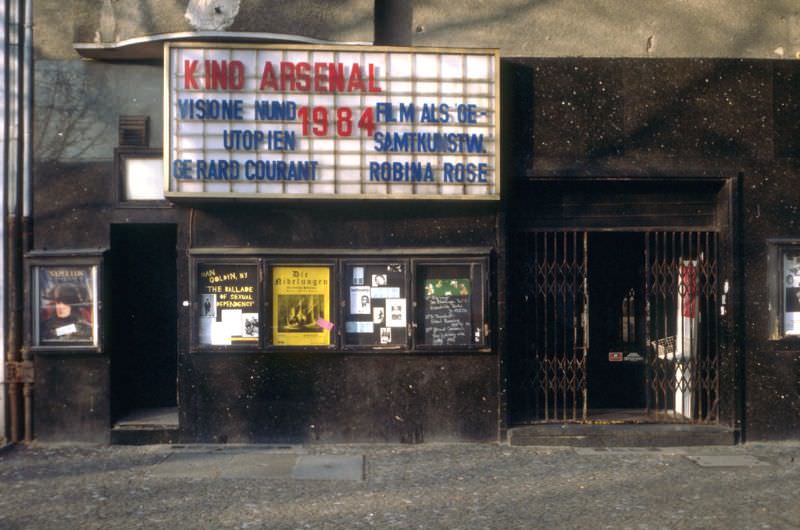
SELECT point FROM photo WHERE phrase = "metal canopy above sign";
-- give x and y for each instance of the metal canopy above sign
(307, 121)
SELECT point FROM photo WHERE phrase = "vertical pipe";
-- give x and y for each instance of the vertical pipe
(538, 332)
(562, 317)
(651, 357)
(573, 307)
(25, 189)
(392, 22)
(12, 213)
(3, 145)
(545, 324)
(585, 321)
(27, 115)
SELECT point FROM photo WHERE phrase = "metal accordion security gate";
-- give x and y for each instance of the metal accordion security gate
(683, 325)
(557, 302)
(681, 330)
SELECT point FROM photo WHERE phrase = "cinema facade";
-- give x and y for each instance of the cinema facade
(316, 242)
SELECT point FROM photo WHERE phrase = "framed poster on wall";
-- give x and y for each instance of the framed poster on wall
(375, 304)
(64, 301)
(301, 305)
(791, 292)
(451, 304)
(227, 312)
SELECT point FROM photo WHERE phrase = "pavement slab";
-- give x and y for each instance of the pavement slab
(425, 486)
(727, 461)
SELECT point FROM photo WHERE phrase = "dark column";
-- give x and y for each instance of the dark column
(393, 22)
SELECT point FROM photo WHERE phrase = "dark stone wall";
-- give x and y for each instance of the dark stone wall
(72, 205)
(71, 211)
(346, 225)
(297, 397)
(771, 199)
(626, 117)
(735, 120)
(71, 400)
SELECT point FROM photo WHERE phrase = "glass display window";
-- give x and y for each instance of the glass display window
(228, 301)
(376, 304)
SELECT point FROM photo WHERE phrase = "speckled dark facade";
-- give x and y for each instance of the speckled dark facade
(723, 130)
(338, 397)
(691, 121)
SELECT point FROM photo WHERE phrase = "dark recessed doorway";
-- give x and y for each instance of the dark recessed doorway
(143, 318)
(615, 367)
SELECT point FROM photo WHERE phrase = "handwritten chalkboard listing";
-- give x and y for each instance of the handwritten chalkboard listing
(447, 320)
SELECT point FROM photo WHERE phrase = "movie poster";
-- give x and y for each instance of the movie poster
(301, 306)
(228, 312)
(67, 309)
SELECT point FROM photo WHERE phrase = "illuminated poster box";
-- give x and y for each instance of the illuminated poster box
(330, 122)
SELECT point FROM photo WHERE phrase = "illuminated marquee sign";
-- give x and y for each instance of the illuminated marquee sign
(330, 122)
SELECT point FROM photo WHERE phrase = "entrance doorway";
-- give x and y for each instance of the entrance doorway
(623, 326)
(615, 367)
(143, 321)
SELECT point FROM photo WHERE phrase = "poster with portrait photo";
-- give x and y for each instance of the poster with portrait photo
(360, 300)
(396, 312)
(378, 314)
(793, 300)
(208, 305)
(250, 325)
(791, 317)
(66, 306)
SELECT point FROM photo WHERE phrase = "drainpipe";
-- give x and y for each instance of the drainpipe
(3, 158)
(11, 222)
(392, 22)
(27, 183)
(18, 366)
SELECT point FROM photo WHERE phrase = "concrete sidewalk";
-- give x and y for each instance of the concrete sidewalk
(390, 486)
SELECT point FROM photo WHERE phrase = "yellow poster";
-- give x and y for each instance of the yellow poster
(301, 298)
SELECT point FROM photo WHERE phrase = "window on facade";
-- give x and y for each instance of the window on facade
(140, 177)
(376, 304)
(450, 305)
(143, 179)
(784, 288)
(65, 303)
(349, 303)
(790, 265)
(301, 305)
(228, 304)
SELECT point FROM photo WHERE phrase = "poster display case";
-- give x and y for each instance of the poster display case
(451, 304)
(301, 305)
(376, 304)
(783, 286)
(790, 262)
(64, 294)
(351, 302)
(228, 304)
